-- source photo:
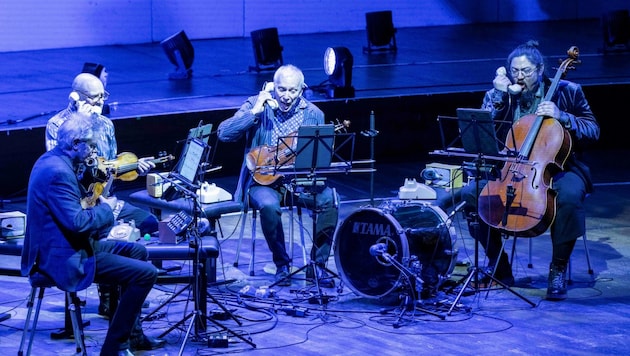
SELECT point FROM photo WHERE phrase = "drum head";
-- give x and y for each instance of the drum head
(367, 275)
(418, 236)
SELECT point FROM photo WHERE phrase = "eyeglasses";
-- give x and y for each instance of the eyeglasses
(89, 143)
(100, 96)
(527, 71)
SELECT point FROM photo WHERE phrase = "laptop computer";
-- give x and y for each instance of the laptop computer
(314, 147)
(477, 132)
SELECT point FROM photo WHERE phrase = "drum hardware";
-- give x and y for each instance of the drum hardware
(417, 235)
(410, 280)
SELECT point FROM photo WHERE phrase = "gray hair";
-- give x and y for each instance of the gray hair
(78, 127)
(289, 70)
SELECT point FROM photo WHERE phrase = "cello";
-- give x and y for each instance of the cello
(521, 201)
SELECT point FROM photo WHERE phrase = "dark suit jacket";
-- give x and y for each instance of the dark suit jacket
(59, 230)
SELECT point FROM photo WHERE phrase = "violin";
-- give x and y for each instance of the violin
(521, 201)
(123, 167)
(260, 158)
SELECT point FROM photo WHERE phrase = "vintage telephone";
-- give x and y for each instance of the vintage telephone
(82, 105)
(512, 89)
(273, 104)
(124, 232)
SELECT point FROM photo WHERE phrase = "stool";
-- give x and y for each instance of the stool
(39, 283)
(244, 214)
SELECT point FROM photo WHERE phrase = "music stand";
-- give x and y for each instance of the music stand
(479, 141)
(185, 180)
(313, 154)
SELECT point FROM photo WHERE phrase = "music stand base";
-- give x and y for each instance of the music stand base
(475, 272)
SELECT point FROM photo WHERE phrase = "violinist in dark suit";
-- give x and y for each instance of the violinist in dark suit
(62, 237)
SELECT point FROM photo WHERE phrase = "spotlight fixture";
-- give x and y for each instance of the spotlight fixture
(616, 30)
(381, 34)
(338, 63)
(180, 53)
(267, 49)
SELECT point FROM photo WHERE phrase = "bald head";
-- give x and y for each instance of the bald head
(88, 93)
(87, 84)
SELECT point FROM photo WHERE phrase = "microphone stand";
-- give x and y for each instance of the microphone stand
(200, 304)
(371, 133)
(409, 279)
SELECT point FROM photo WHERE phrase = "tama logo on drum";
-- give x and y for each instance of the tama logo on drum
(366, 228)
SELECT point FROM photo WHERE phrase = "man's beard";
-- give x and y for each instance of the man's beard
(90, 109)
(527, 100)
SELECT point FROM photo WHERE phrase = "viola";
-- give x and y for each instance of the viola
(123, 167)
(521, 201)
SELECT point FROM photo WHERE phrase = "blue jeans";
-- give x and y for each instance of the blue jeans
(124, 264)
(269, 200)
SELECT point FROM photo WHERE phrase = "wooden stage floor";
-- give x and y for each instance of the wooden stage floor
(436, 61)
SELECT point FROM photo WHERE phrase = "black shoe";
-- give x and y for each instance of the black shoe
(557, 283)
(504, 277)
(323, 279)
(282, 276)
(147, 343)
(125, 352)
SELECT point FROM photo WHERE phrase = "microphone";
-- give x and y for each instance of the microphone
(378, 249)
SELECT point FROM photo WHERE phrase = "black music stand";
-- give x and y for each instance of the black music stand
(186, 185)
(479, 140)
(313, 154)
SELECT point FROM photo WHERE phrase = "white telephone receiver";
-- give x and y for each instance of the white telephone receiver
(269, 87)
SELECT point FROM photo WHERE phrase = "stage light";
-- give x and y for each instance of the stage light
(338, 64)
(381, 34)
(616, 30)
(181, 53)
(267, 49)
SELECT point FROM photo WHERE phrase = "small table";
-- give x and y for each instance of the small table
(212, 211)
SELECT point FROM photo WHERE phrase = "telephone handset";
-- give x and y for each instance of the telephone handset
(83, 106)
(513, 88)
(269, 87)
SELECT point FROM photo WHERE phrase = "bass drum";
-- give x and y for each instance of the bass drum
(411, 231)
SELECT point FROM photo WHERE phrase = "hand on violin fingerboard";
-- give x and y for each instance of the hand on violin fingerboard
(145, 165)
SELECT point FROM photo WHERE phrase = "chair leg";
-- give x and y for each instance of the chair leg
(253, 252)
(30, 303)
(588, 255)
(77, 324)
(302, 242)
(588, 262)
(240, 239)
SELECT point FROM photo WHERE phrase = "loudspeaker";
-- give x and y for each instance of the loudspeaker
(156, 185)
(267, 49)
(616, 30)
(381, 33)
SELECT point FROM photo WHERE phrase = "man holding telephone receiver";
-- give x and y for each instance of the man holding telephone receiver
(519, 90)
(278, 111)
